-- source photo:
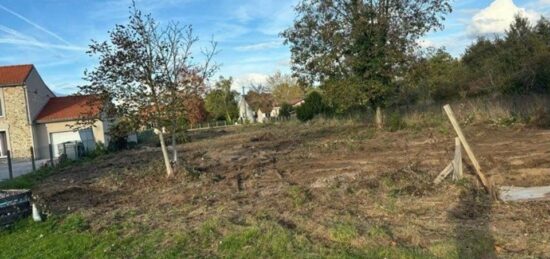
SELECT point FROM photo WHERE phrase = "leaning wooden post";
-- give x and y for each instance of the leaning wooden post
(467, 148)
(32, 160)
(10, 169)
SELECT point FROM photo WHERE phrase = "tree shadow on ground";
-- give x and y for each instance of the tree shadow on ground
(472, 225)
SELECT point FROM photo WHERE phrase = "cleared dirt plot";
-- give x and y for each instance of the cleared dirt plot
(325, 188)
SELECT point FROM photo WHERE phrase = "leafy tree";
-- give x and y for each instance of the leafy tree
(195, 109)
(517, 63)
(221, 103)
(147, 71)
(437, 76)
(313, 105)
(369, 42)
(344, 95)
(285, 88)
(259, 99)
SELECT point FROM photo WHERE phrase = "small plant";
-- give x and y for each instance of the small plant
(343, 232)
(75, 222)
(299, 196)
(395, 122)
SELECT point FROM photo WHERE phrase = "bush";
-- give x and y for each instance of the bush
(313, 105)
(395, 122)
(286, 110)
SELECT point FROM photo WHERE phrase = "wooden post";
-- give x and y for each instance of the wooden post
(32, 160)
(457, 161)
(444, 173)
(50, 147)
(10, 169)
(466, 146)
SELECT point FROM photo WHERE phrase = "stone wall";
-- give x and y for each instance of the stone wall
(15, 121)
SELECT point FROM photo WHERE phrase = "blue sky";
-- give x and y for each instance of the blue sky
(54, 34)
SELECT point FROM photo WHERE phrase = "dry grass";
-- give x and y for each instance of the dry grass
(326, 188)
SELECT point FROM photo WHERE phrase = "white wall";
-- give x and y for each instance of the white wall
(38, 93)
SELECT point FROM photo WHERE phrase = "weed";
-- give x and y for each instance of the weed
(395, 122)
(74, 222)
(343, 232)
(299, 195)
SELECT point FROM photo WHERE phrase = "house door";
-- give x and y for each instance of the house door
(3, 144)
(85, 136)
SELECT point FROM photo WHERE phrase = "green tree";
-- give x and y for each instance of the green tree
(368, 42)
(313, 105)
(437, 76)
(221, 102)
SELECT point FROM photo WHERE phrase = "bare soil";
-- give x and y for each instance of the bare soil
(312, 178)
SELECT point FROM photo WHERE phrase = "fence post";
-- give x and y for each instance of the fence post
(51, 153)
(10, 169)
(32, 160)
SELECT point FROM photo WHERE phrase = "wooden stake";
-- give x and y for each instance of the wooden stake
(457, 161)
(444, 173)
(466, 146)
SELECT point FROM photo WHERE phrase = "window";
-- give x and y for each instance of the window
(3, 144)
(1, 106)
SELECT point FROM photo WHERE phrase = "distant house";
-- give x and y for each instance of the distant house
(31, 115)
(245, 111)
(277, 108)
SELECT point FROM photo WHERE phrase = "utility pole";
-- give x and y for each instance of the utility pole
(245, 107)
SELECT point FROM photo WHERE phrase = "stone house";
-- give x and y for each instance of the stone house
(31, 115)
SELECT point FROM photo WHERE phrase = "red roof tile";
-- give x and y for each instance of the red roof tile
(69, 108)
(14, 75)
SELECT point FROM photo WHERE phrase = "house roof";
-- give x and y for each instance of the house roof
(14, 75)
(69, 108)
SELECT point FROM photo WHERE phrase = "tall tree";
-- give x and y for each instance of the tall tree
(221, 102)
(367, 41)
(147, 71)
(285, 88)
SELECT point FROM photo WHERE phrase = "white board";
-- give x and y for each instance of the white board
(511, 193)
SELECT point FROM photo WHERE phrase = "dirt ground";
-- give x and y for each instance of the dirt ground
(317, 178)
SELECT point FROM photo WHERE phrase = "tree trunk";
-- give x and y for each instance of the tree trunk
(169, 171)
(379, 118)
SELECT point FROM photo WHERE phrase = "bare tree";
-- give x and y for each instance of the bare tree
(147, 72)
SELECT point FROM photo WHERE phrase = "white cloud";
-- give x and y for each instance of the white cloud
(425, 43)
(498, 16)
(260, 46)
(248, 79)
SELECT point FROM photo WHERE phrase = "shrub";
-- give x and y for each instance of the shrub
(395, 122)
(286, 110)
(313, 105)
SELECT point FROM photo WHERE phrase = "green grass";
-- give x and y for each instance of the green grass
(71, 237)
